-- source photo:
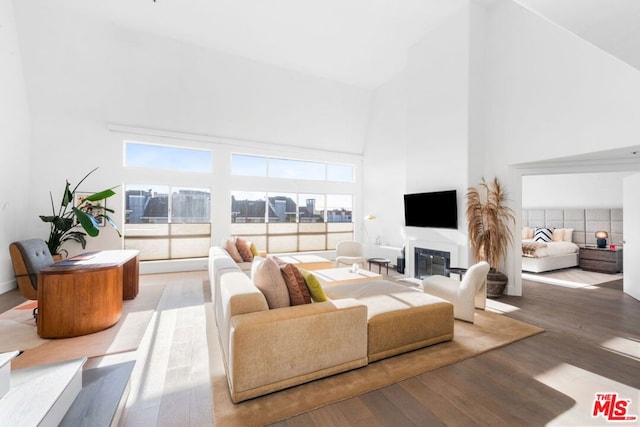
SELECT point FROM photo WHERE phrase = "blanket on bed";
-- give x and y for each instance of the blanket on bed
(529, 248)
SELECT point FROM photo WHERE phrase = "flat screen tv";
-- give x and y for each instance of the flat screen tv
(438, 209)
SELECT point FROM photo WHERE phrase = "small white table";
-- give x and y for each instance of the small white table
(344, 276)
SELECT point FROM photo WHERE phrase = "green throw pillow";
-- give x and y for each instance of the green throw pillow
(315, 289)
(253, 249)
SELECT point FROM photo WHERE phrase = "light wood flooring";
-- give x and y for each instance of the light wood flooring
(591, 339)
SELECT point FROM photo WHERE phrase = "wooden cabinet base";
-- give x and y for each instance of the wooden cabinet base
(84, 295)
(79, 303)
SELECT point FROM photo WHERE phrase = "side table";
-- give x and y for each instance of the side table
(602, 260)
(379, 262)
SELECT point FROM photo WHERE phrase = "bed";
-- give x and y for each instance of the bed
(572, 225)
(553, 251)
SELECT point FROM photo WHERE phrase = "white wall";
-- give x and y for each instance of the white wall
(587, 190)
(385, 164)
(418, 137)
(82, 75)
(551, 94)
(14, 134)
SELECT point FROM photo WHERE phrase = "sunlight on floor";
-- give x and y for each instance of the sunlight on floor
(500, 307)
(582, 387)
(559, 282)
(572, 278)
(623, 346)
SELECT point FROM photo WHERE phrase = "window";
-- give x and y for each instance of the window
(247, 207)
(339, 208)
(282, 207)
(153, 156)
(288, 222)
(311, 207)
(164, 222)
(246, 165)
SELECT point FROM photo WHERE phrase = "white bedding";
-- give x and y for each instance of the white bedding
(552, 249)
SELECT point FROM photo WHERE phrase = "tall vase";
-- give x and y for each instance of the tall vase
(496, 283)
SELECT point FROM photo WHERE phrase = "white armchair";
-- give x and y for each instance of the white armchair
(349, 252)
(465, 295)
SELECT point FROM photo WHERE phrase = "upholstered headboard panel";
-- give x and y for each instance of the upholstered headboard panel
(585, 222)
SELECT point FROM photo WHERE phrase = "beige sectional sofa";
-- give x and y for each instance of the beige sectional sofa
(265, 350)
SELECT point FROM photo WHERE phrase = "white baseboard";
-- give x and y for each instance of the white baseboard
(174, 266)
(7, 286)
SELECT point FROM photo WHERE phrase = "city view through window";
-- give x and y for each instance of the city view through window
(175, 221)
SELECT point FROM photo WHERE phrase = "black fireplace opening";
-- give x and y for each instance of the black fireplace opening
(429, 262)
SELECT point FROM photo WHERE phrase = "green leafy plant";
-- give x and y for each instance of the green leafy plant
(87, 215)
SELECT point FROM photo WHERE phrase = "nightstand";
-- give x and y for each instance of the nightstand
(602, 260)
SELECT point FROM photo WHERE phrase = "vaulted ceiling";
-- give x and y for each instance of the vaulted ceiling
(360, 42)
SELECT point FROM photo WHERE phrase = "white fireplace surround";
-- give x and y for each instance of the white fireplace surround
(450, 247)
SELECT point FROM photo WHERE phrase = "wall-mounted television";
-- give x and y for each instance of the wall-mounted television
(438, 209)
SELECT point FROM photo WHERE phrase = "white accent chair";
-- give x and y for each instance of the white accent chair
(465, 295)
(349, 252)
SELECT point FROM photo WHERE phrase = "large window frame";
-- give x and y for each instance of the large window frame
(167, 221)
(222, 179)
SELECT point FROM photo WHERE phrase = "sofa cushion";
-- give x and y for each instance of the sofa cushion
(298, 292)
(268, 278)
(315, 289)
(244, 249)
(400, 318)
(230, 247)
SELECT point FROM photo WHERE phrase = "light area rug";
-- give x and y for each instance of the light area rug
(571, 277)
(490, 331)
(19, 332)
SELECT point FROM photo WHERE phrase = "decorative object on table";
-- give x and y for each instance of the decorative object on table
(89, 213)
(601, 237)
(489, 220)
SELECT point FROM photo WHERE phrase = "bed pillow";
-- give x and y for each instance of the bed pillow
(558, 235)
(542, 234)
(568, 235)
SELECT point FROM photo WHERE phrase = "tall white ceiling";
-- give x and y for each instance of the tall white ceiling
(360, 42)
(611, 25)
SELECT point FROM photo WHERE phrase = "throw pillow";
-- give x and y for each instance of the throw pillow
(542, 234)
(568, 235)
(317, 293)
(254, 249)
(255, 264)
(232, 250)
(268, 278)
(298, 291)
(525, 233)
(244, 249)
(558, 235)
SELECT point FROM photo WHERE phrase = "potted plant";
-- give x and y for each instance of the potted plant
(488, 219)
(87, 214)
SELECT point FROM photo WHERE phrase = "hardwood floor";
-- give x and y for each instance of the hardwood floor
(591, 342)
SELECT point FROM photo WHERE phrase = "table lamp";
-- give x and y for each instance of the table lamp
(601, 237)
